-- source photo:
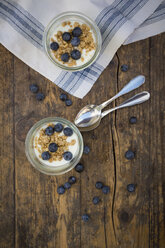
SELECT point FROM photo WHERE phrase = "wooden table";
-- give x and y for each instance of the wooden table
(33, 215)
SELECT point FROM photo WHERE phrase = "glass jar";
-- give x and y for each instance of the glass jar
(41, 166)
(76, 17)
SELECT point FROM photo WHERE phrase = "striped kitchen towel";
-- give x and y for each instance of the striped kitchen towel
(22, 24)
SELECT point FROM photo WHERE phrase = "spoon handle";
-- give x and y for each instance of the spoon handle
(132, 85)
(137, 99)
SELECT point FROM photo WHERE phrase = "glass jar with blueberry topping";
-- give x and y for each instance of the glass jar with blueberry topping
(72, 41)
(54, 146)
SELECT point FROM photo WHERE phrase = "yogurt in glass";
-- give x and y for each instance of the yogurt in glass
(54, 145)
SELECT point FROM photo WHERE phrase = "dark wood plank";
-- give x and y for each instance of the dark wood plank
(131, 209)
(157, 141)
(7, 175)
(139, 216)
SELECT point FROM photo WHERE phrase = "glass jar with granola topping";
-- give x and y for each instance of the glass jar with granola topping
(72, 41)
(54, 146)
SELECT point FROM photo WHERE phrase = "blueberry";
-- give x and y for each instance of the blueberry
(54, 46)
(124, 68)
(76, 31)
(96, 200)
(67, 185)
(86, 149)
(75, 41)
(68, 131)
(75, 54)
(133, 120)
(129, 154)
(61, 190)
(53, 147)
(68, 102)
(45, 155)
(40, 96)
(49, 131)
(65, 57)
(63, 97)
(66, 36)
(131, 187)
(79, 167)
(99, 185)
(34, 88)
(58, 127)
(85, 217)
(72, 180)
(106, 189)
(67, 156)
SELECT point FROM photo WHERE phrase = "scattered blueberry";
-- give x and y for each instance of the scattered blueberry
(86, 149)
(65, 57)
(67, 156)
(67, 185)
(75, 54)
(68, 102)
(34, 88)
(45, 155)
(40, 96)
(96, 200)
(49, 131)
(79, 167)
(129, 154)
(61, 190)
(63, 97)
(72, 180)
(68, 131)
(99, 185)
(106, 189)
(133, 120)
(75, 41)
(85, 217)
(54, 46)
(131, 187)
(76, 31)
(124, 68)
(58, 127)
(53, 147)
(66, 36)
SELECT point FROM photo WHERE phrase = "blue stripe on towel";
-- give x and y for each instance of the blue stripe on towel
(124, 14)
(20, 30)
(26, 14)
(22, 22)
(158, 15)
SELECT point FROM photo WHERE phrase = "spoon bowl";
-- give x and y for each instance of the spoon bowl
(88, 116)
(89, 128)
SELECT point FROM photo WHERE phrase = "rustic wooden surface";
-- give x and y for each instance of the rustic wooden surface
(33, 215)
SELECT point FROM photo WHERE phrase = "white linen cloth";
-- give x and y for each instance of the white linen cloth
(22, 24)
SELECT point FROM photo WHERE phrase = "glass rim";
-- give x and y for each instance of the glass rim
(46, 169)
(98, 40)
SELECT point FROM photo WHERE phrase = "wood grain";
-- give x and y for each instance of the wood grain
(7, 170)
(39, 217)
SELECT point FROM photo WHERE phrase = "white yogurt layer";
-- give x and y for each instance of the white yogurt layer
(85, 55)
(72, 148)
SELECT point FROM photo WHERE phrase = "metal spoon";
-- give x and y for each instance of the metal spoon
(90, 114)
(137, 99)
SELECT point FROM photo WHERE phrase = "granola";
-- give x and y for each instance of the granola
(87, 43)
(42, 142)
